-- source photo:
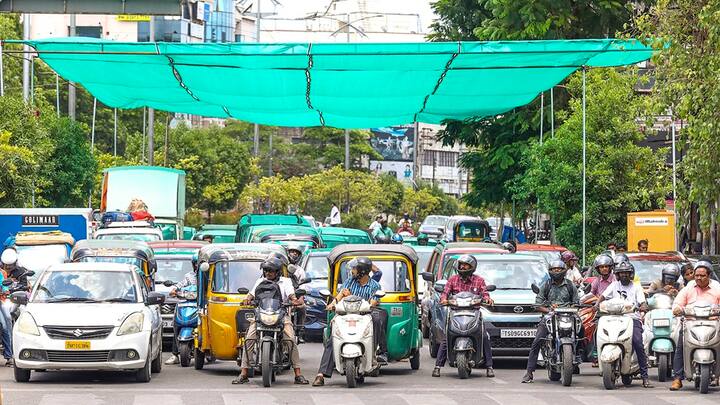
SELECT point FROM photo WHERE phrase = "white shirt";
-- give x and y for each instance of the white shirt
(574, 275)
(631, 293)
(374, 226)
(286, 287)
(299, 273)
(335, 216)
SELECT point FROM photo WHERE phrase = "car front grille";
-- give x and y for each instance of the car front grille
(77, 356)
(78, 332)
(514, 309)
(513, 343)
(167, 308)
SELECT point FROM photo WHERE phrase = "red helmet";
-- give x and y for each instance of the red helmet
(568, 255)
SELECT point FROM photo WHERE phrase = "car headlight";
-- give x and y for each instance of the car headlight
(132, 324)
(269, 319)
(26, 324)
(661, 323)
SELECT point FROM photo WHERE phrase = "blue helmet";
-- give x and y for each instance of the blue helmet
(396, 239)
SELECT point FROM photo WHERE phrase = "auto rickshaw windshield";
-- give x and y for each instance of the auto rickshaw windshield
(229, 276)
(172, 269)
(394, 275)
(113, 259)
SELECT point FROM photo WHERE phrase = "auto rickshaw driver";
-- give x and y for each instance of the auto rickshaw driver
(271, 270)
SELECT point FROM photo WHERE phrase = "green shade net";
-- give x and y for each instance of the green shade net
(340, 85)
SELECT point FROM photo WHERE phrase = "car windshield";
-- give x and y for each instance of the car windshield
(423, 259)
(229, 276)
(37, 258)
(142, 237)
(86, 286)
(548, 255)
(648, 270)
(511, 275)
(113, 259)
(471, 231)
(172, 269)
(317, 267)
(394, 275)
(435, 221)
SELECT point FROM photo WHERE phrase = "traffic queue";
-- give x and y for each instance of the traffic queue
(371, 296)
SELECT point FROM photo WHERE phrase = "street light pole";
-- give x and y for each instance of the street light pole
(256, 127)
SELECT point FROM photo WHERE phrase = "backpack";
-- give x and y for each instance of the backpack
(268, 289)
(546, 288)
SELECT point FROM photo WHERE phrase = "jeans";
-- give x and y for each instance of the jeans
(487, 352)
(288, 339)
(678, 357)
(639, 348)
(176, 331)
(6, 325)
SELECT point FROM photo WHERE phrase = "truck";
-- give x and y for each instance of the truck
(162, 189)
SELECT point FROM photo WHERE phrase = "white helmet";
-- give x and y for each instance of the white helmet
(9, 256)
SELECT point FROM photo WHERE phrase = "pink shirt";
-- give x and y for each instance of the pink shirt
(694, 294)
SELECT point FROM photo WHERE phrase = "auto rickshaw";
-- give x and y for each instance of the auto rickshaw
(225, 268)
(137, 253)
(399, 281)
(285, 234)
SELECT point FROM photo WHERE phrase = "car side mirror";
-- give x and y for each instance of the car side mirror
(535, 288)
(324, 292)
(427, 276)
(440, 286)
(29, 273)
(491, 287)
(243, 291)
(204, 267)
(19, 297)
(155, 298)
(300, 292)
(168, 283)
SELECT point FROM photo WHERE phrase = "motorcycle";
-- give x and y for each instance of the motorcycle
(12, 286)
(352, 332)
(701, 345)
(658, 339)
(464, 330)
(614, 343)
(186, 320)
(270, 312)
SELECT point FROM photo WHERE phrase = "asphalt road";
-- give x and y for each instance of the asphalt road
(397, 385)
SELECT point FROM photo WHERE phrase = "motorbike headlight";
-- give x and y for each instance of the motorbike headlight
(565, 324)
(661, 323)
(26, 324)
(269, 319)
(132, 324)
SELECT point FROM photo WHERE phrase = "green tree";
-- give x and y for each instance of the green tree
(394, 193)
(16, 162)
(621, 175)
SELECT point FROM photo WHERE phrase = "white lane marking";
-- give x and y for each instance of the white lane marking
(515, 399)
(70, 399)
(344, 399)
(431, 389)
(591, 399)
(427, 399)
(687, 398)
(149, 399)
(250, 398)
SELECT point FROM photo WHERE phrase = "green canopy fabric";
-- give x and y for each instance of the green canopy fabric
(359, 85)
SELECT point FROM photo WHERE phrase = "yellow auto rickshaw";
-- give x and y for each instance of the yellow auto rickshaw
(226, 268)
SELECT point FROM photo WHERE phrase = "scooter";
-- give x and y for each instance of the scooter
(353, 338)
(701, 345)
(464, 330)
(658, 339)
(614, 343)
(186, 319)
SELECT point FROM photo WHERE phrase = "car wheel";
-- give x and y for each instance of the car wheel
(21, 374)
(144, 374)
(156, 365)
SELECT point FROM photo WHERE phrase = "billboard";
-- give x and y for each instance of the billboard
(395, 144)
(403, 171)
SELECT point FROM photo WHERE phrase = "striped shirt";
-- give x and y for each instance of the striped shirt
(366, 292)
(189, 279)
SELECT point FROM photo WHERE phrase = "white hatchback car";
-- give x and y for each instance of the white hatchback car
(97, 316)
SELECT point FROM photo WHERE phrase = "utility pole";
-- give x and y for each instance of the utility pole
(151, 111)
(347, 132)
(256, 129)
(71, 85)
(26, 59)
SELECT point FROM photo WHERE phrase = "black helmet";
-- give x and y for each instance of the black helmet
(272, 264)
(422, 239)
(467, 259)
(624, 267)
(281, 257)
(396, 239)
(603, 260)
(557, 264)
(381, 239)
(360, 267)
(703, 263)
(294, 259)
(670, 273)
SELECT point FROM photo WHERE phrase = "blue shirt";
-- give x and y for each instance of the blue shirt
(366, 292)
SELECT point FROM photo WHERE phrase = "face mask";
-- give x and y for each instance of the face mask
(624, 278)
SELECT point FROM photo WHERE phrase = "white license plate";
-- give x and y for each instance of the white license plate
(517, 333)
(167, 324)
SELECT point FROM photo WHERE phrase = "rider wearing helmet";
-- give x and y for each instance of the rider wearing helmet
(297, 276)
(602, 266)
(573, 272)
(396, 239)
(558, 291)
(422, 239)
(624, 288)
(383, 233)
(465, 280)
(13, 270)
(509, 247)
(189, 279)
(668, 281)
(359, 284)
(272, 269)
(12, 267)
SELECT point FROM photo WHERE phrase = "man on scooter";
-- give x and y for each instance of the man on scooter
(465, 280)
(668, 281)
(558, 291)
(189, 279)
(702, 291)
(623, 287)
(361, 285)
(271, 270)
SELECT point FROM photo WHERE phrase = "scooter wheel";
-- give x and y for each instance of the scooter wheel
(608, 375)
(184, 354)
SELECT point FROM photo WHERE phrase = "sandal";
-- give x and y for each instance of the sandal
(241, 379)
(300, 380)
(319, 381)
